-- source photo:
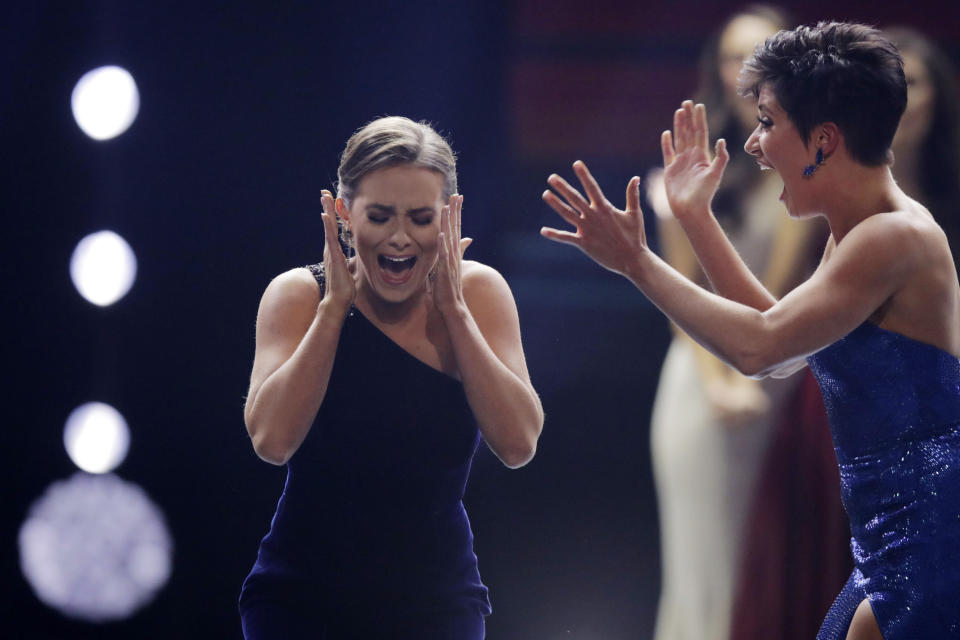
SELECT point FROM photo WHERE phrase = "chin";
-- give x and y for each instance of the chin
(792, 209)
(802, 214)
(399, 293)
(395, 294)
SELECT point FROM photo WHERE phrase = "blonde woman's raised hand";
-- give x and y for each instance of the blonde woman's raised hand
(445, 280)
(341, 288)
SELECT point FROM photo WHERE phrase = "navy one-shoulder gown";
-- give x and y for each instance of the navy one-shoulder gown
(894, 409)
(370, 538)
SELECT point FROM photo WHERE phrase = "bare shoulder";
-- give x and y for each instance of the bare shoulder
(898, 239)
(927, 305)
(893, 225)
(289, 302)
(493, 308)
(486, 292)
(922, 244)
(917, 232)
(926, 225)
(293, 287)
(481, 279)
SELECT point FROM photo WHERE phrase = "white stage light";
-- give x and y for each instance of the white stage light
(103, 267)
(105, 102)
(95, 548)
(96, 437)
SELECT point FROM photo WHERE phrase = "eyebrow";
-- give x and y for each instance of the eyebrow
(388, 209)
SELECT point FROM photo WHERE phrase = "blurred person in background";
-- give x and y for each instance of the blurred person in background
(711, 425)
(796, 548)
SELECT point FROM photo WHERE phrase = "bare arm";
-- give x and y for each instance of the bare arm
(481, 318)
(733, 398)
(866, 269)
(864, 272)
(297, 336)
(728, 274)
(691, 179)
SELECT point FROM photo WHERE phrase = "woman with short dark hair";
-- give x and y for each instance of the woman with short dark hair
(878, 322)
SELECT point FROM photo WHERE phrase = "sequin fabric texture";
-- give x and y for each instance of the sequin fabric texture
(894, 409)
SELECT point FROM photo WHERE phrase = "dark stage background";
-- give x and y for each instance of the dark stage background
(245, 108)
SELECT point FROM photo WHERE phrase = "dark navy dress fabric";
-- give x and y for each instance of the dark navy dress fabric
(370, 537)
(894, 408)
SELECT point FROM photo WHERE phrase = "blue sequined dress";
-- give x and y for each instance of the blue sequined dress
(370, 538)
(894, 408)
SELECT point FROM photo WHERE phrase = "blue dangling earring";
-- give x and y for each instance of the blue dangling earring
(810, 169)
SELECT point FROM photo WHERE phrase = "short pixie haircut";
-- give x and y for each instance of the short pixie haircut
(391, 141)
(845, 73)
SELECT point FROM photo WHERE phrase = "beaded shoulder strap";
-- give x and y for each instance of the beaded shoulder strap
(320, 276)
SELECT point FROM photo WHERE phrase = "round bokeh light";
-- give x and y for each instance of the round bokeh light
(103, 267)
(96, 437)
(105, 102)
(95, 548)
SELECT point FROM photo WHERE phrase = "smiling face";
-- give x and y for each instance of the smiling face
(395, 220)
(777, 146)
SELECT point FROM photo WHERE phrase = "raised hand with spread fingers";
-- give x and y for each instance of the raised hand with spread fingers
(691, 176)
(612, 237)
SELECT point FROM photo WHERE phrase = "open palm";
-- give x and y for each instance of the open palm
(691, 175)
(613, 238)
(341, 285)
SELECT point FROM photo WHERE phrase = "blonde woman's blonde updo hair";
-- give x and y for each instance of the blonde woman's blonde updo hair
(392, 141)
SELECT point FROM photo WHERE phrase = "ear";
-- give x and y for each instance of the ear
(342, 211)
(826, 136)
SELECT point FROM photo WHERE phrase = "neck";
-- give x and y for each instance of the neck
(906, 171)
(853, 193)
